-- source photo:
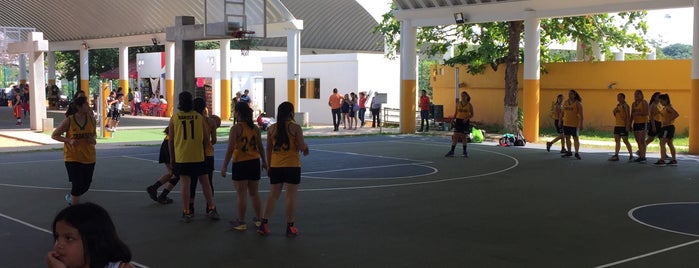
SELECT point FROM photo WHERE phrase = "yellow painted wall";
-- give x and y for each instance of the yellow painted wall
(590, 79)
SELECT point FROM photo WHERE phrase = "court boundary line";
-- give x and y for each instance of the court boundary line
(630, 214)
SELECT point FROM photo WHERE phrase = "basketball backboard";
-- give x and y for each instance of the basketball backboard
(225, 17)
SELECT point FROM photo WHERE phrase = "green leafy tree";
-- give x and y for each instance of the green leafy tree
(678, 51)
(491, 44)
(425, 70)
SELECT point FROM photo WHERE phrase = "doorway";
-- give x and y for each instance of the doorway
(269, 97)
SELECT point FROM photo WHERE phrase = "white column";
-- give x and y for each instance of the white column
(225, 92)
(51, 61)
(124, 64)
(694, 92)
(170, 76)
(293, 43)
(37, 102)
(532, 35)
(85, 71)
(23, 68)
(408, 71)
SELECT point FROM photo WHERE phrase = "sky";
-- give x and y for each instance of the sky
(669, 26)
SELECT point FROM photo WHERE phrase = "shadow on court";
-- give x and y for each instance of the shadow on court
(382, 201)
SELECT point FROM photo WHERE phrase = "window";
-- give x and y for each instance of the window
(310, 88)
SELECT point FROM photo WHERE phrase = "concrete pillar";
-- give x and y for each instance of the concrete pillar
(408, 74)
(225, 79)
(184, 57)
(531, 85)
(35, 46)
(85, 72)
(124, 72)
(170, 77)
(51, 61)
(619, 56)
(694, 94)
(23, 69)
(293, 67)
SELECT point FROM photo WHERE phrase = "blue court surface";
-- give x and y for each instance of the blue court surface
(381, 201)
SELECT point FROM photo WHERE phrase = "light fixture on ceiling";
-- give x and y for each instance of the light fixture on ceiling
(84, 45)
(459, 18)
(155, 41)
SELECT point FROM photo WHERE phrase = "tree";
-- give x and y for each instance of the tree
(491, 44)
(678, 51)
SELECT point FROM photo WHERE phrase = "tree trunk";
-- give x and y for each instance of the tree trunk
(512, 64)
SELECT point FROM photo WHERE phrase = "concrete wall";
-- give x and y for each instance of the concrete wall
(346, 72)
(590, 79)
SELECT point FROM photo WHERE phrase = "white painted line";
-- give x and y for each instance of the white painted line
(630, 214)
(648, 254)
(434, 171)
(49, 232)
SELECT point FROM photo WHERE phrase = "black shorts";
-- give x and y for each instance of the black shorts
(639, 127)
(462, 126)
(209, 161)
(559, 128)
(291, 175)
(80, 176)
(570, 131)
(115, 114)
(190, 169)
(652, 133)
(667, 132)
(621, 131)
(246, 170)
(164, 153)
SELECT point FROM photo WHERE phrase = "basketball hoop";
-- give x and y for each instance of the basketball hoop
(244, 41)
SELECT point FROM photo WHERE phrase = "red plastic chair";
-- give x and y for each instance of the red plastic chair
(161, 109)
(145, 107)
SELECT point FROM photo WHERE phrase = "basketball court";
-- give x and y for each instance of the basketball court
(383, 201)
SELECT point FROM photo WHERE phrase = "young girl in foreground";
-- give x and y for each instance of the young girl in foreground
(85, 236)
(284, 142)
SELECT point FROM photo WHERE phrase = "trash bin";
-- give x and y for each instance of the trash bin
(47, 124)
(302, 119)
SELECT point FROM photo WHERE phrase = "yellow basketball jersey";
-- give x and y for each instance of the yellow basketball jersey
(287, 155)
(570, 114)
(621, 113)
(209, 147)
(639, 107)
(246, 144)
(188, 139)
(657, 116)
(464, 110)
(84, 151)
(665, 115)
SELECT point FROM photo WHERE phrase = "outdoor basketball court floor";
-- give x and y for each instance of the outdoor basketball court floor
(384, 201)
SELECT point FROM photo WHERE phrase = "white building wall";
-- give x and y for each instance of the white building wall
(346, 72)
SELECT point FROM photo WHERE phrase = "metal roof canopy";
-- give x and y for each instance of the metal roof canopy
(328, 24)
(424, 13)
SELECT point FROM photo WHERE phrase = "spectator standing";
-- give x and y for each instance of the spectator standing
(362, 108)
(375, 111)
(424, 111)
(137, 101)
(335, 103)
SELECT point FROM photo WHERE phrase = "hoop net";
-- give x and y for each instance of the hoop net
(244, 39)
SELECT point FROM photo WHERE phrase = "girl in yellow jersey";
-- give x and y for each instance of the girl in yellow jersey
(622, 126)
(78, 148)
(639, 119)
(556, 115)
(284, 142)
(667, 130)
(199, 105)
(654, 124)
(462, 123)
(572, 121)
(189, 133)
(245, 146)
